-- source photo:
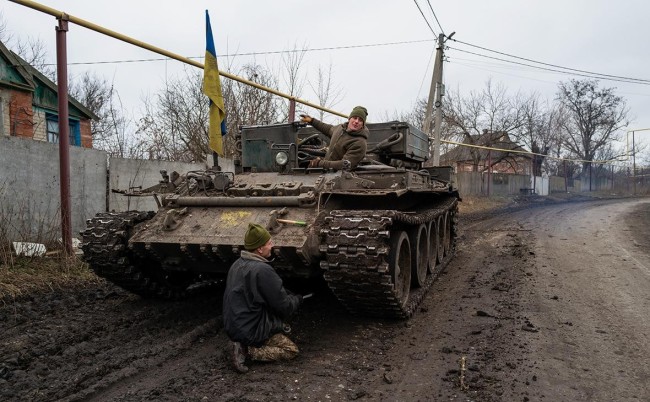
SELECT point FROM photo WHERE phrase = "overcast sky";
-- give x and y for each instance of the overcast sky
(600, 36)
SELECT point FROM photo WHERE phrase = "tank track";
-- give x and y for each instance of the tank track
(356, 246)
(105, 249)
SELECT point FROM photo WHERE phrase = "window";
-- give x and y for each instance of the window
(52, 129)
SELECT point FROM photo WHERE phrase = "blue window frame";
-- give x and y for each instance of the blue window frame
(52, 130)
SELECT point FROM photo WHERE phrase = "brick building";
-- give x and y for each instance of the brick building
(29, 104)
(472, 159)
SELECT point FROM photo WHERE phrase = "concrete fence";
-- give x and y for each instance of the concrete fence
(139, 174)
(30, 188)
(502, 184)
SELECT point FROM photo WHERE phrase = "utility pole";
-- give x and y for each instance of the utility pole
(64, 133)
(436, 91)
(633, 164)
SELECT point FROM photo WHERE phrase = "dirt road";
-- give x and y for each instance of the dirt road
(543, 303)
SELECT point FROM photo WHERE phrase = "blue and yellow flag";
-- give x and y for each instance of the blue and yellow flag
(212, 89)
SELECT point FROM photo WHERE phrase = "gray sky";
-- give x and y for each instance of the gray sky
(600, 36)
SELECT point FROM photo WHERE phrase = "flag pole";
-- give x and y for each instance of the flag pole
(215, 162)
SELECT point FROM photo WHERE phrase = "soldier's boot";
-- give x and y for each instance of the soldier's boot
(238, 357)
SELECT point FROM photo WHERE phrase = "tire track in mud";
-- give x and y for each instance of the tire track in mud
(157, 369)
(592, 302)
(472, 312)
(73, 345)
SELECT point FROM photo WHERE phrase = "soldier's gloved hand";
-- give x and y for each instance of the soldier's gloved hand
(305, 118)
(314, 163)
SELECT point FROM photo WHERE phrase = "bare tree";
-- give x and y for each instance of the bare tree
(327, 93)
(175, 122)
(491, 110)
(5, 35)
(539, 131)
(594, 117)
(292, 61)
(34, 52)
(174, 125)
(417, 114)
(113, 131)
(293, 76)
(502, 112)
(246, 105)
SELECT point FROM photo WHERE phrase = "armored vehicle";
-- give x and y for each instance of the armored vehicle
(377, 234)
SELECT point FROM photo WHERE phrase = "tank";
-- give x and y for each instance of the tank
(378, 234)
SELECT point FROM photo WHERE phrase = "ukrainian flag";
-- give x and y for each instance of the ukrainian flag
(212, 89)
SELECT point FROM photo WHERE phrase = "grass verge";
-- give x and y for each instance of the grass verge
(32, 275)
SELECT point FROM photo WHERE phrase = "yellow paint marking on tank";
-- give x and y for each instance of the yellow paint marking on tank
(235, 218)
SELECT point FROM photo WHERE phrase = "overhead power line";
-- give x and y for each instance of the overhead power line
(558, 69)
(253, 53)
(552, 65)
(493, 68)
(595, 75)
(425, 19)
(436, 17)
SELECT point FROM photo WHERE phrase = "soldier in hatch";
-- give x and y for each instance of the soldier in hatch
(348, 141)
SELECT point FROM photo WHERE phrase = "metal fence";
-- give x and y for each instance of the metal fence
(503, 184)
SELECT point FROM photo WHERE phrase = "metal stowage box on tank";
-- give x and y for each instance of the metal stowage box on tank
(378, 234)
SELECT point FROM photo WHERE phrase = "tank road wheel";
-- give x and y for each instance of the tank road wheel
(447, 242)
(433, 246)
(440, 226)
(400, 266)
(173, 285)
(419, 254)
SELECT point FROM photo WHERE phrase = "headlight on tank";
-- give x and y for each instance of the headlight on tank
(281, 158)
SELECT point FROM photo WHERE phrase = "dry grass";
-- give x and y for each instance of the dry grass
(31, 275)
(473, 204)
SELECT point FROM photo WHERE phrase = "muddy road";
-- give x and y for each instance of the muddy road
(545, 303)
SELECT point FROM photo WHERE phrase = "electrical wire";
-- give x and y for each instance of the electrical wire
(477, 67)
(434, 16)
(627, 80)
(480, 64)
(551, 65)
(254, 53)
(426, 73)
(425, 19)
(567, 70)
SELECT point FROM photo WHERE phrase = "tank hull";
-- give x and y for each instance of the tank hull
(378, 235)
